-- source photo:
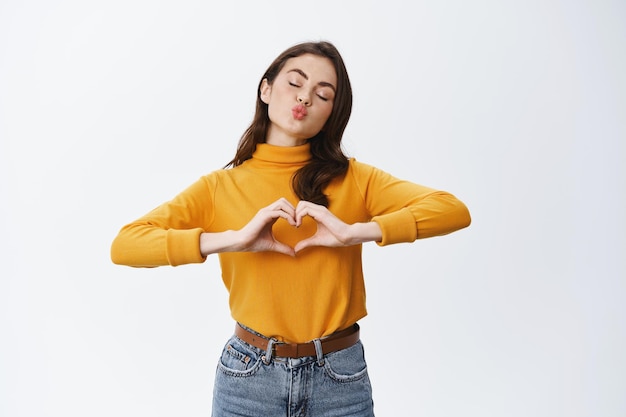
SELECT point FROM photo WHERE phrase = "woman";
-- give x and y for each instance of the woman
(288, 220)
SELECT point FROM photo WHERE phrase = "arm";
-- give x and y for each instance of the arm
(400, 211)
(174, 233)
(169, 234)
(406, 211)
(331, 231)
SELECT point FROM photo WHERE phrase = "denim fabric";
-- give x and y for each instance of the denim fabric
(248, 384)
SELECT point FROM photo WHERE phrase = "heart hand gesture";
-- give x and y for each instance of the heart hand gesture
(257, 235)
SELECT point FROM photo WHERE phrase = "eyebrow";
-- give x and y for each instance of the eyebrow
(306, 77)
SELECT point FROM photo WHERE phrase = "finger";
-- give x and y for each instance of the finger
(269, 215)
(284, 205)
(287, 216)
(302, 205)
(312, 210)
(300, 246)
(306, 243)
(284, 249)
(287, 202)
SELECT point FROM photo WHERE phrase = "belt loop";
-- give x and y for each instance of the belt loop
(269, 352)
(319, 352)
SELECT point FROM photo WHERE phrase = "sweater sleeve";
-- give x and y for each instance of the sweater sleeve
(169, 234)
(406, 211)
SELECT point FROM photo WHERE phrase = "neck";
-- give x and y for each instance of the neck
(279, 138)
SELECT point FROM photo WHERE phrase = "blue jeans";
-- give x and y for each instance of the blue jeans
(249, 383)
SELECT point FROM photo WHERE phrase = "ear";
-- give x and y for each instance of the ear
(265, 91)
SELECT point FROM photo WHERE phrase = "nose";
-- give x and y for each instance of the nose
(304, 100)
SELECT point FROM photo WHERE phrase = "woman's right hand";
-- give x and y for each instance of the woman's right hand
(256, 236)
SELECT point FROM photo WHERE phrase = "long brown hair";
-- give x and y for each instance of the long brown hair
(327, 158)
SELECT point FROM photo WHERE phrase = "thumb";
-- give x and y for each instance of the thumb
(306, 243)
(284, 249)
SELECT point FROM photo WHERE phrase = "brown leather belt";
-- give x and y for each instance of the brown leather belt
(336, 341)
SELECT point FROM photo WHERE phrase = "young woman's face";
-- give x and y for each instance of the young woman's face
(300, 100)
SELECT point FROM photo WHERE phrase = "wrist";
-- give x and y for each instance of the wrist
(218, 242)
(365, 232)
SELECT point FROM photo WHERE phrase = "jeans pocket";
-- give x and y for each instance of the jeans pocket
(346, 365)
(238, 360)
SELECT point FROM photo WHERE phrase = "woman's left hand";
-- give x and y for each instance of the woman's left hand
(331, 231)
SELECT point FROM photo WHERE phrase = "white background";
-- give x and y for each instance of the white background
(517, 107)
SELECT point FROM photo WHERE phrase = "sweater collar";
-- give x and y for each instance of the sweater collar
(282, 154)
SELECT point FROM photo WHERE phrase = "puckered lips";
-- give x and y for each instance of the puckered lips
(298, 111)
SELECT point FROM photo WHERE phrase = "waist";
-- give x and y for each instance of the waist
(337, 341)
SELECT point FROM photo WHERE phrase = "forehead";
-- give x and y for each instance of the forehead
(317, 68)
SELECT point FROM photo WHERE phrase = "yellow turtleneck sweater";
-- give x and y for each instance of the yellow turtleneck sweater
(319, 291)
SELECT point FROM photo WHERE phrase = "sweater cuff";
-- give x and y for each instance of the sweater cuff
(397, 227)
(183, 247)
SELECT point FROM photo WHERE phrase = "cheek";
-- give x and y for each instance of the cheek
(327, 112)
